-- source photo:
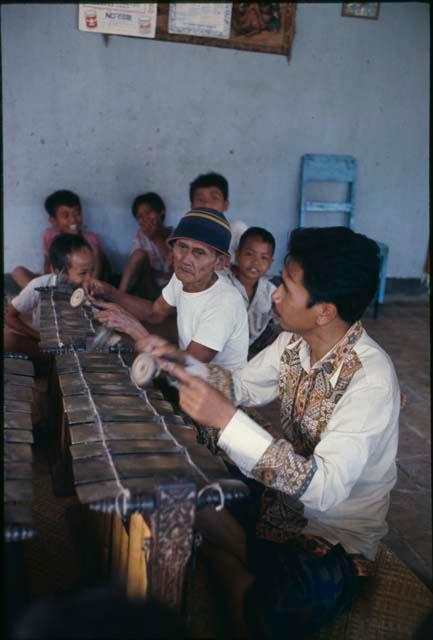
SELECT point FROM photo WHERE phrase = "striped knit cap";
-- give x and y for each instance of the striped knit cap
(205, 225)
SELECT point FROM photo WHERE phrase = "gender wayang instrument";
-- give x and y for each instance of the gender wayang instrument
(138, 468)
(18, 437)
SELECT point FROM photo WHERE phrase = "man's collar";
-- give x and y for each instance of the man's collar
(332, 361)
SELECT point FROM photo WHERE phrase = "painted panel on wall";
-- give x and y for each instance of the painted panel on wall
(110, 123)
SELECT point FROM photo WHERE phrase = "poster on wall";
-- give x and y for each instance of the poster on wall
(268, 27)
(210, 20)
(137, 20)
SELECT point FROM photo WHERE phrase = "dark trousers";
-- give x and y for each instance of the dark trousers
(295, 591)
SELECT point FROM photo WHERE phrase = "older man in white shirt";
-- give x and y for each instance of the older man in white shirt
(326, 481)
(212, 320)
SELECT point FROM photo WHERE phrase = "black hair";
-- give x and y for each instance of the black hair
(339, 265)
(153, 200)
(257, 232)
(59, 199)
(99, 614)
(206, 180)
(63, 246)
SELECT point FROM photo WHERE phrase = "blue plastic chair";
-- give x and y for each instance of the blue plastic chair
(333, 168)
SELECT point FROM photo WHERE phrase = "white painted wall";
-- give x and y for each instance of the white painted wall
(110, 123)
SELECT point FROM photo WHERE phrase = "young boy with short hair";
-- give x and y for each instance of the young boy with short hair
(212, 190)
(70, 255)
(65, 215)
(254, 256)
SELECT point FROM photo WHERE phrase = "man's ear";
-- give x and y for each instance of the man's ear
(326, 313)
(52, 219)
(226, 206)
(220, 261)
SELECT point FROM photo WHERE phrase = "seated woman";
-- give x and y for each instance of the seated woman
(149, 264)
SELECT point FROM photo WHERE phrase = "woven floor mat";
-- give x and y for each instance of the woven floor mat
(392, 607)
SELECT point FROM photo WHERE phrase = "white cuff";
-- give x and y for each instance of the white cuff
(244, 441)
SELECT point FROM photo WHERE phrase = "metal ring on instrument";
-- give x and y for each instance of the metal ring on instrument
(217, 487)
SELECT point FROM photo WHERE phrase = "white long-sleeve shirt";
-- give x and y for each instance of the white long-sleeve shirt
(345, 482)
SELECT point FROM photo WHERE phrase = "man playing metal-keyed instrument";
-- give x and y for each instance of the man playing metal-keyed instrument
(324, 485)
(211, 317)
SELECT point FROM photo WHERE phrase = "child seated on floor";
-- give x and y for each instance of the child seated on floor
(149, 265)
(254, 257)
(70, 255)
(65, 215)
(211, 190)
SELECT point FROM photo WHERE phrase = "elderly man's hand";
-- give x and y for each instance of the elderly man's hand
(115, 317)
(97, 287)
(199, 399)
(159, 347)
